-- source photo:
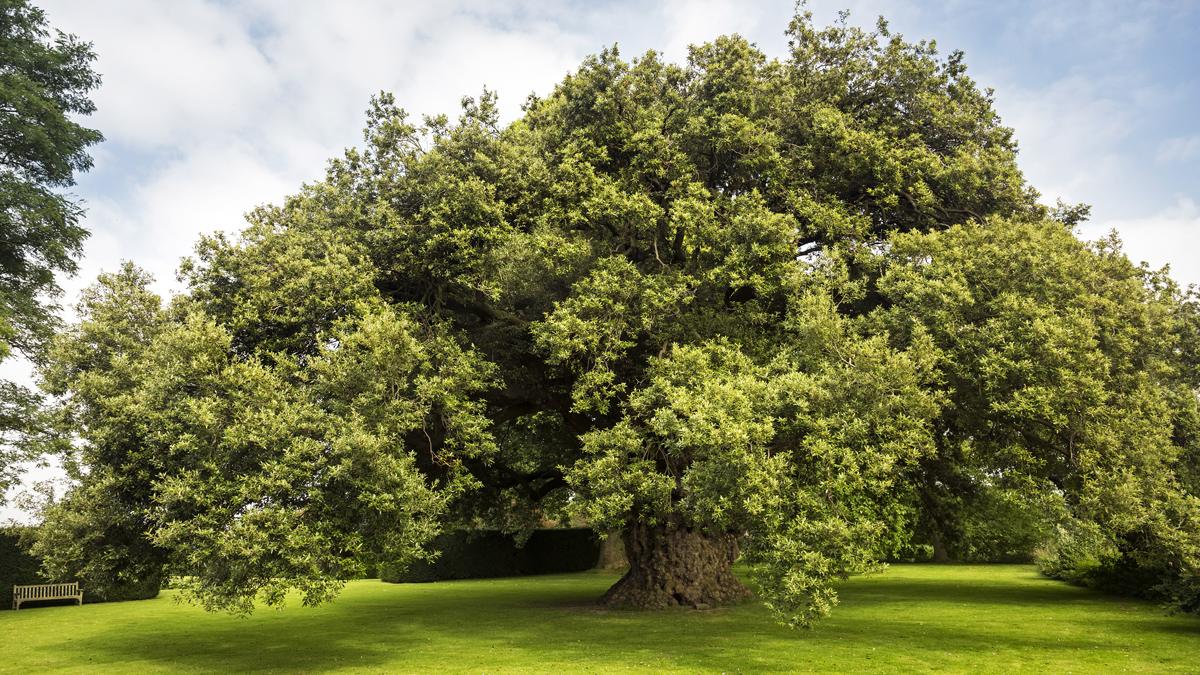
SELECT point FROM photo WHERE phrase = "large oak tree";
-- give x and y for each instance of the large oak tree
(793, 311)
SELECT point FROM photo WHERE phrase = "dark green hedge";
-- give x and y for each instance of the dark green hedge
(19, 567)
(480, 554)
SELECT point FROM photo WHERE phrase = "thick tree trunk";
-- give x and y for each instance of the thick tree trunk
(675, 566)
(940, 554)
(612, 552)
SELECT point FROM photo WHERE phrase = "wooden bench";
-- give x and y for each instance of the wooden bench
(47, 592)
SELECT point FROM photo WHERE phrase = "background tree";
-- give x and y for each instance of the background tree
(96, 534)
(43, 82)
(1070, 391)
(250, 475)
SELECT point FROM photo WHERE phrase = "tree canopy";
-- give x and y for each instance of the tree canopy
(44, 86)
(801, 311)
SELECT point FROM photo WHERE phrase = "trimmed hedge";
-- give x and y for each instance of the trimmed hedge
(560, 550)
(17, 566)
(481, 554)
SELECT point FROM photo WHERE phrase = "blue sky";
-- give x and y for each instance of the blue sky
(211, 108)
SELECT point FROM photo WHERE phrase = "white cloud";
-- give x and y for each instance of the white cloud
(688, 22)
(1179, 149)
(1168, 237)
(171, 71)
(235, 106)
(156, 222)
(1118, 27)
(208, 190)
(1069, 132)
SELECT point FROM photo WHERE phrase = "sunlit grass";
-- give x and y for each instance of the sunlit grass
(914, 617)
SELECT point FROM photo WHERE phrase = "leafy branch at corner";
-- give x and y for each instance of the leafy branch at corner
(45, 79)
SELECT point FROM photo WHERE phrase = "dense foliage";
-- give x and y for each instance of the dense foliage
(1071, 408)
(805, 311)
(44, 85)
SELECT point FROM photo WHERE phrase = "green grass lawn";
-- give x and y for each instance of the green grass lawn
(913, 617)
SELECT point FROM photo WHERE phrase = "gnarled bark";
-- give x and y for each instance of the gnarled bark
(676, 566)
(612, 552)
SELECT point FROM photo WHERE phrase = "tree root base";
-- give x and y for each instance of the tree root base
(677, 567)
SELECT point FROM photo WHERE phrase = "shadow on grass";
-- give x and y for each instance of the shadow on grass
(547, 620)
(910, 591)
